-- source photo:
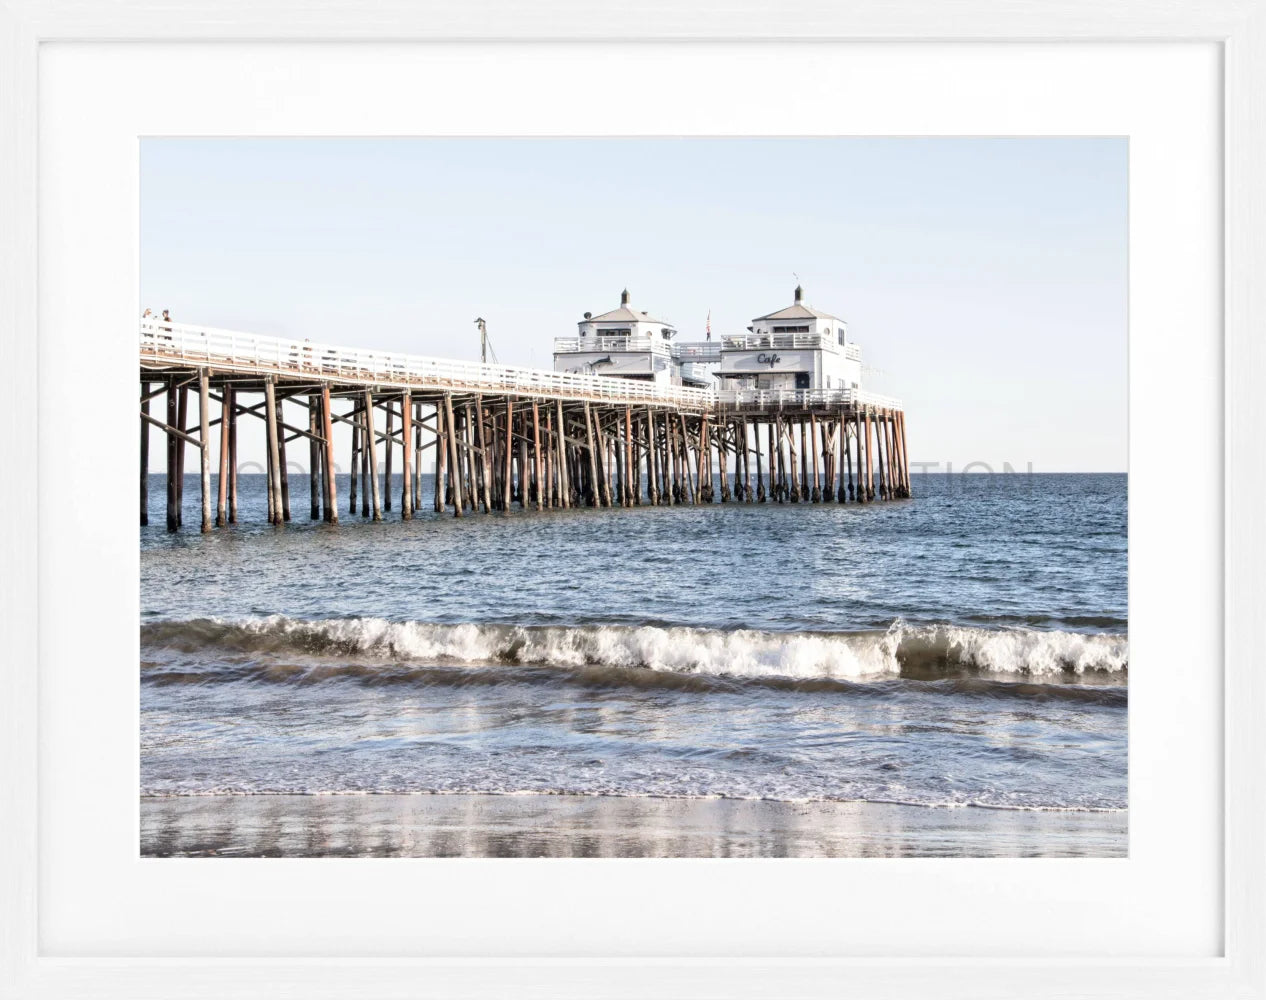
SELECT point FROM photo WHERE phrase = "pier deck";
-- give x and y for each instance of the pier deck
(499, 434)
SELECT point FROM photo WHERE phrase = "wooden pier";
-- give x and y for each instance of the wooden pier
(496, 437)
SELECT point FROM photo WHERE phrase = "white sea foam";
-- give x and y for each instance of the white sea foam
(925, 649)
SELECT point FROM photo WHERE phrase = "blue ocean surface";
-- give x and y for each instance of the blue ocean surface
(967, 647)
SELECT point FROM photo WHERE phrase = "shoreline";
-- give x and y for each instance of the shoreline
(542, 825)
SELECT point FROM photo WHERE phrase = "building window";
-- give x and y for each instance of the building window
(791, 329)
(841, 334)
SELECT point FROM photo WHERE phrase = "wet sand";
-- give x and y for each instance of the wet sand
(559, 826)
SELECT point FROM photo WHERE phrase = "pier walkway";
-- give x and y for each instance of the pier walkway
(499, 434)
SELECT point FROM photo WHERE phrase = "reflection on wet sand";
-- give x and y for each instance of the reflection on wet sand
(563, 826)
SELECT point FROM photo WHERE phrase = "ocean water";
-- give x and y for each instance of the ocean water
(965, 648)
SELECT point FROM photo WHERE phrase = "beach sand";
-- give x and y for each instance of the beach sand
(564, 826)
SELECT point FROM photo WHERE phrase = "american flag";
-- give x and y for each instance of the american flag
(709, 324)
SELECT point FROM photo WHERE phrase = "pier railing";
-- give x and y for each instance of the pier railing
(248, 352)
(251, 353)
(790, 399)
(576, 345)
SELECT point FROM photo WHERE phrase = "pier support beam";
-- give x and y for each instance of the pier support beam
(204, 441)
(222, 485)
(406, 456)
(144, 454)
(454, 469)
(387, 450)
(230, 395)
(372, 453)
(331, 484)
(314, 459)
(274, 456)
(283, 470)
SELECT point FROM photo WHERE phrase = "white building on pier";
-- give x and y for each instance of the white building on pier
(797, 347)
(626, 343)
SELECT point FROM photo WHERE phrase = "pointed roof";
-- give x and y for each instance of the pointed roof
(798, 310)
(625, 314)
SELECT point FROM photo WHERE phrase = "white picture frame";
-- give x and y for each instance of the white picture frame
(1240, 28)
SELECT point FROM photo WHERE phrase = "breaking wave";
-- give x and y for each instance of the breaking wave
(281, 648)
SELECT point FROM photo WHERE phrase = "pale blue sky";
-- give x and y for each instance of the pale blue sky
(986, 278)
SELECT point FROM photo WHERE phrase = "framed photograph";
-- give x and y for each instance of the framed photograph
(724, 503)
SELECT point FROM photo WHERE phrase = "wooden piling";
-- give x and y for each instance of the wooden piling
(905, 456)
(182, 424)
(805, 448)
(372, 452)
(355, 459)
(173, 410)
(331, 486)
(454, 476)
(406, 456)
(816, 490)
(230, 397)
(222, 483)
(441, 460)
(204, 442)
(314, 459)
(506, 484)
(366, 467)
(283, 470)
(144, 454)
(564, 485)
(387, 448)
(538, 459)
(274, 455)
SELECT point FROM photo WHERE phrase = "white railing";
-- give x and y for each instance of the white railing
(236, 351)
(781, 341)
(697, 350)
(247, 352)
(574, 345)
(852, 352)
(793, 398)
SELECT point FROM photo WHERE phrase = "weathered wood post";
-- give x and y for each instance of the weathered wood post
(760, 478)
(182, 423)
(455, 473)
(314, 459)
(372, 453)
(355, 460)
(274, 456)
(406, 455)
(441, 460)
(331, 486)
(230, 398)
(144, 453)
(204, 443)
(905, 456)
(775, 461)
(629, 471)
(417, 455)
(222, 484)
(564, 483)
(593, 457)
(508, 468)
(652, 488)
(723, 455)
(284, 468)
(870, 460)
(816, 492)
(551, 490)
(173, 498)
(538, 460)
(366, 467)
(386, 445)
